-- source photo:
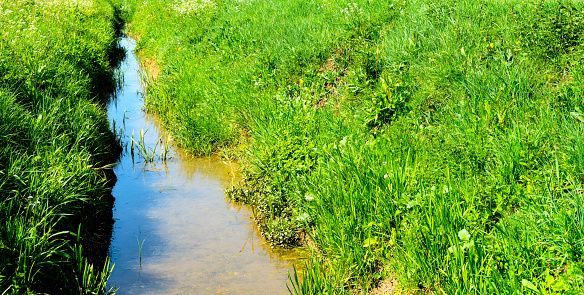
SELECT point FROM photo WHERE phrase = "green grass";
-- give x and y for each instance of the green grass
(437, 142)
(55, 145)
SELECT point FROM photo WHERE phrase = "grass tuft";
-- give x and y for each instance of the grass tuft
(439, 140)
(55, 71)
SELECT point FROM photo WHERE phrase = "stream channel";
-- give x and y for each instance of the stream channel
(175, 232)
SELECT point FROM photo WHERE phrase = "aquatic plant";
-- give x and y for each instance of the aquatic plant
(140, 245)
(147, 152)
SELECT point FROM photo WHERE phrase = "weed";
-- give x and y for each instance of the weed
(54, 137)
(146, 152)
(554, 29)
(441, 140)
(140, 245)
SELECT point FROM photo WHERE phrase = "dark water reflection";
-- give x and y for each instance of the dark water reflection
(175, 233)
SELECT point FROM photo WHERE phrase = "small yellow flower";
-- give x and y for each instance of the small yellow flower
(492, 45)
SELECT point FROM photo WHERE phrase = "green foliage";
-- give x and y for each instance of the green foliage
(554, 29)
(438, 140)
(55, 62)
(388, 103)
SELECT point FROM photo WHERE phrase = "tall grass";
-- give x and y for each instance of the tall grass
(439, 142)
(55, 145)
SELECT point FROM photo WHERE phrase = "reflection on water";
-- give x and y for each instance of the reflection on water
(175, 233)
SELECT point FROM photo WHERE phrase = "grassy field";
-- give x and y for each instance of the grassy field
(56, 62)
(438, 142)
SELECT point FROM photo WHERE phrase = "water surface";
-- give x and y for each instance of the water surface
(174, 232)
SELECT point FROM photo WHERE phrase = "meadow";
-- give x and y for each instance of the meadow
(439, 143)
(56, 148)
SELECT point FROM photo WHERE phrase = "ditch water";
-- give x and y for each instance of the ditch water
(174, 231)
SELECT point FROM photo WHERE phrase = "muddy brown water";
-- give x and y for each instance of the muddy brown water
(175, 232)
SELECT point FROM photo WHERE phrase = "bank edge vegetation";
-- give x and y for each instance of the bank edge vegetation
(438, 142)
(56, 62)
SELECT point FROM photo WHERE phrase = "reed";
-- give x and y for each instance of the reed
(146, 152)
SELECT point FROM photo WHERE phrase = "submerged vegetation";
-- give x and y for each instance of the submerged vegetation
(439, 142)
(56, 62)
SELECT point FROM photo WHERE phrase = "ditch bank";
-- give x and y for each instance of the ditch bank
(56, 61)
(175, 232)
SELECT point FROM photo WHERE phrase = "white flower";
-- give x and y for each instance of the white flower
(192, 7)
(82, 4)
(303, 217)
(445, 189)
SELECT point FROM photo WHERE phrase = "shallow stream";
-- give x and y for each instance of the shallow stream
(174, 232)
